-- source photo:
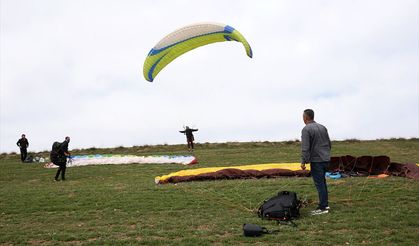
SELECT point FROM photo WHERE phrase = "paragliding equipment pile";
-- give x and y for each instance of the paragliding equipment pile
(347, 165)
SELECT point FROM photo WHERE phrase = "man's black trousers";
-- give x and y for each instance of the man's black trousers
(23, 154)
(61, 169)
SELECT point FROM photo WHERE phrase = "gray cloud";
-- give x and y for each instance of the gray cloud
(75, 68)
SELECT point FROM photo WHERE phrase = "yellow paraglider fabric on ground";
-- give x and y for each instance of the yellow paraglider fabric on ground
(258, 167)
(186, 39)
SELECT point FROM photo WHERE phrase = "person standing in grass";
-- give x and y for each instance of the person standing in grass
(315, 149)
(61, 160)
(23, 144)
(189, 137)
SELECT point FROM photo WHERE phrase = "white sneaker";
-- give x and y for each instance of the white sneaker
(320, 211)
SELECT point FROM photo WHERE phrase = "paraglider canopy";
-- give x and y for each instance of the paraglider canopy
(188, 38)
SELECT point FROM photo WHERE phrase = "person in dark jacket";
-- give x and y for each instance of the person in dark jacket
(23, 144)
(189, 137)
(61, 161)
(315, 149)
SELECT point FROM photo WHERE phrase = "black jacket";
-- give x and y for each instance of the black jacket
(63, 148)
(188, 132)
(23, 143)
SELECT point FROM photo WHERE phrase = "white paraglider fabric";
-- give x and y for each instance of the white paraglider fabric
(85, 160)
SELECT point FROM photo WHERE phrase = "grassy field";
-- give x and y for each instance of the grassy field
(108, 205)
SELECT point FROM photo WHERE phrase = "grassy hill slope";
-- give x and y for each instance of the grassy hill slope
(121, 204)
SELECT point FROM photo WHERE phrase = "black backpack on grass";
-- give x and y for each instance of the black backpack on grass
(252, 230)
(283, 207)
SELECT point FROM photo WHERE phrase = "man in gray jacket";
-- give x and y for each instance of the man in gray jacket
(315, 149)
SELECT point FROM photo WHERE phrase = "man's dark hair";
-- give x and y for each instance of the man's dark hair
(309, 113)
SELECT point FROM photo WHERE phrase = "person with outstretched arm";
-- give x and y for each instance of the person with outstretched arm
(315, 149)
(189, 137)
(61, 160)
(23, 144)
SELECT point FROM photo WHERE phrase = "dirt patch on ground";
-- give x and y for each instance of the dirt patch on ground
(205, 227)
(35, 242)
(120, 187)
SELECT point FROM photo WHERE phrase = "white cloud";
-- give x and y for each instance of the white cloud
(74, 68)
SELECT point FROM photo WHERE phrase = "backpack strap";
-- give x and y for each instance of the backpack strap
(266, 231)
(288, 223)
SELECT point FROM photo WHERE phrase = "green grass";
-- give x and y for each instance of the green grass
(122, 205)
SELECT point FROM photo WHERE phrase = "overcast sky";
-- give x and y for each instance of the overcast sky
(75, 68)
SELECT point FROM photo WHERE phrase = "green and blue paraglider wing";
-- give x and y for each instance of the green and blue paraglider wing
(185, 39)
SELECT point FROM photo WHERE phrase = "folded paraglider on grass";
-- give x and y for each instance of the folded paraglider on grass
(85, 160)
(349, 165)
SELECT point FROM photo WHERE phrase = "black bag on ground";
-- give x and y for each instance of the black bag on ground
(29, 159)
(251, 230)
(283, 207)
